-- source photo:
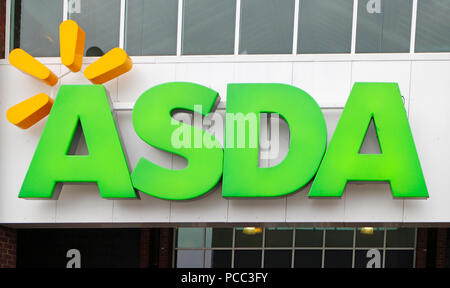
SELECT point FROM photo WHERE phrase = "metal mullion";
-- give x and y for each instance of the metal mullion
(384, 247)
(323, 247)
(415, 246)
(174, 246)
(295, 30)
(354, 244)
(354, 26)
(204, 247)
(233, 247)
(263, 246)
(7, 28)
(179, 27)
(122, 24)
(412, 44)
(293, 247)
(65, 10)
(237, 27)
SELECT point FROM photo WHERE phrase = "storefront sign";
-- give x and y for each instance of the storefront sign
(307, 157)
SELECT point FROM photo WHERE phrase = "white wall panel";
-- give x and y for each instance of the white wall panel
(212, 75)
(430, 124)
(329, 83)
(17, 149)
(143, 77)
(384, 71)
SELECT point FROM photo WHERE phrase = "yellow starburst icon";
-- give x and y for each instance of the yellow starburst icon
(72, 40)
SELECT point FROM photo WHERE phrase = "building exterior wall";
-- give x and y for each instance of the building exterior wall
(422, 81)
(8, 245)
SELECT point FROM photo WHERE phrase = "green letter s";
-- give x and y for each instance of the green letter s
(152, 117)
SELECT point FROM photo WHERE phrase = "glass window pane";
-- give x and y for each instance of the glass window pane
(190, 238)
(279, 237)
(365, 237)
(266, 26)
(100, 20)
(399, 259)
(189, 258)
(387, 30)
(371, 260)
(219, 237)
(308, 259)
(2, 24)
(246, 238)
(218, 259)
(308, 237)
(36, 26)
(325, 26)
(151, 27)
(208, 27)
(433, 26)
(247, 258)
(400, 237)
(338, 258)
(277, 259)
(339, 237)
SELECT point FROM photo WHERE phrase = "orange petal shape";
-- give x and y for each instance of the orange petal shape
(28, 64)
(111, 65)
(71, 43)
(29, 112)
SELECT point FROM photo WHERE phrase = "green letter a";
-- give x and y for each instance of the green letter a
(105, 164)
(398, 162)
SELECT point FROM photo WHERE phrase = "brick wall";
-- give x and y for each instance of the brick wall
(2, 28)
(441, 247)
(144, 261)
(421, 249)
(8, 244)
(165, 247)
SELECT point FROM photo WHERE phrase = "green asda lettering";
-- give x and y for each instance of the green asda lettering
(237, 166)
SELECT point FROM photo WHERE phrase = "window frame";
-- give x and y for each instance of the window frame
(294, 57)
(383, 250)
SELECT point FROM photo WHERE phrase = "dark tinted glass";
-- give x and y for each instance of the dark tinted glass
(363, 259)
(36, 26)
(247, 240)
(278, 237)
(218, 259)
(208, 27)
(370, 240)
(266, 26)
(339, 237)
(308, 237)
(308, 259)
(151, 27)
(338, 258)
(400, 237)
(384, 29)
(399, 259)
(277, 258)
(219, 237)
(247, 258)
(100, 20)
(433, 26)
(325, 26)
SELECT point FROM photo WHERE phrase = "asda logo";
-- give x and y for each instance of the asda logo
(308, 158)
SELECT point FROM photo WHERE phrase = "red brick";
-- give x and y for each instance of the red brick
(8, 246)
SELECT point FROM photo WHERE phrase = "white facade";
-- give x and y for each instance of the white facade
(423, 81)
